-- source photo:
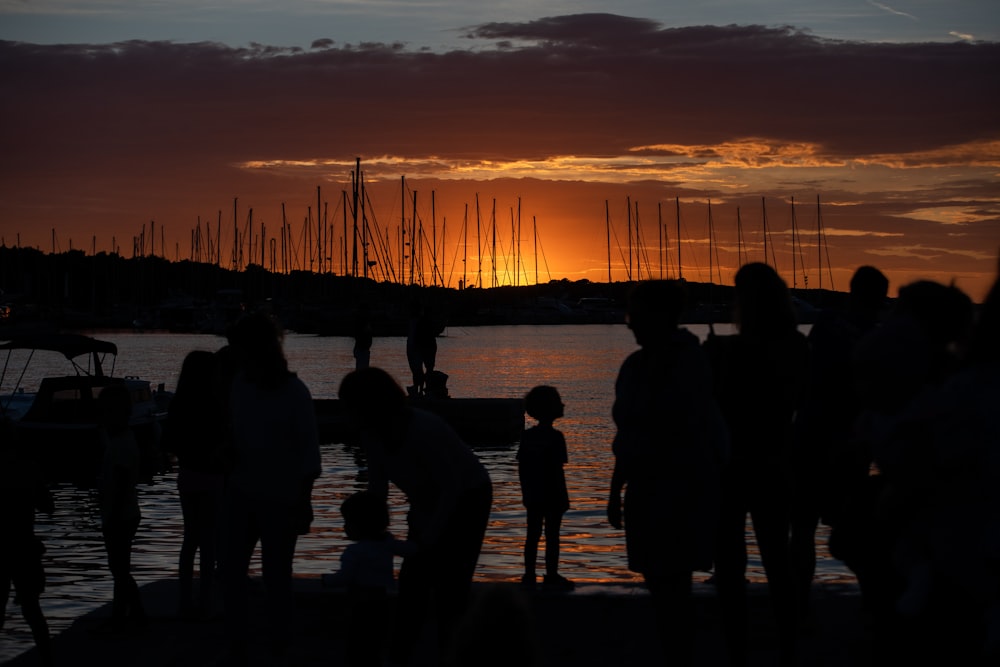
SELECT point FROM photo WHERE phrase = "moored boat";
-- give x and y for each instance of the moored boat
(58, 424)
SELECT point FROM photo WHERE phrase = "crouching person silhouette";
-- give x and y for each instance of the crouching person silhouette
(449, 494)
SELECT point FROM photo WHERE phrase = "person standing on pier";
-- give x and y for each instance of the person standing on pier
(196, 433)
(760, 378)
(276, 459)
(669, 447)
(540, 459)
(421, 346)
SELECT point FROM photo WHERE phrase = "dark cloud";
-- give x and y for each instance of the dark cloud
(597, 29)
(587, 84)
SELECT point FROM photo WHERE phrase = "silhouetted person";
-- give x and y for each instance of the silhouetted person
(421, 346)
(268, 493)
(924, 460)
(120, 513)
(827, 463)
(366, 571)
(449, 494)
(760, 377)
(21, 493)
(669, 447)
(362, 336)
(196, 432)
(540, 459)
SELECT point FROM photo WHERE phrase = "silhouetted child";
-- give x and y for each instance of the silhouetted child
(120, 505)
(366, 571)
(21, 493)
(540, 460)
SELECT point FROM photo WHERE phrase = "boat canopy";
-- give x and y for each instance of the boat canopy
(69, 345)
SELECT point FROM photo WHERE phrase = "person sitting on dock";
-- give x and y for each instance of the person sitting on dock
(540, 459)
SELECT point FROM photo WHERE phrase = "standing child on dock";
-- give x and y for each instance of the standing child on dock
(540, 460)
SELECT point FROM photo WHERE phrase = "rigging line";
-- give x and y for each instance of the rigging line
(714, 244)
(829, 268)
(381, 248)
(797, 250)
(454, 257)
(697, 266)
(641, 249)
(502, 253)
(621, 253)
(545, 260)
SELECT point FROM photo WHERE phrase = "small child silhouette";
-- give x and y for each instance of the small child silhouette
(540, 460)
(366, 571)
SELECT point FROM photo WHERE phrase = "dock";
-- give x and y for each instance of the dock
(597, 624)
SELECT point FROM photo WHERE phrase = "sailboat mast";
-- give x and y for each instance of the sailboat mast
(819, 241)
(465, 246)
(493, 256)
(434, 233)
(659, 231)
(343, 241)
(534, 234)
(364, 222)
(416, 233)
(638, 246)
(402, 227)
(763, 208)
(628, 207)
(354, 215)
(710, 277)
(319, 231)
(680, 270)
(236, 235)
(517, 264)
(607, 233)
(479, 244)
(794, 269)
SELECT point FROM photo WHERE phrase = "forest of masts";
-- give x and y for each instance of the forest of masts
(412, 255)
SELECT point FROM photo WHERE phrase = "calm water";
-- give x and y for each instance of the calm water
(581, 361)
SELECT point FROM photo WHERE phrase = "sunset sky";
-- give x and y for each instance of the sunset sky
(116, 114)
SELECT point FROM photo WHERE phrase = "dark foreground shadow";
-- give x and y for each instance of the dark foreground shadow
(596, 624)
